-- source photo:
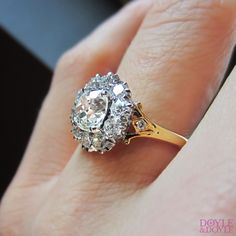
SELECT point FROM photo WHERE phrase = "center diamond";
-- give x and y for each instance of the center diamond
(91, 110)
(102, 113)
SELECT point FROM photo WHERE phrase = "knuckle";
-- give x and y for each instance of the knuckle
(71, 58)
(81, 60)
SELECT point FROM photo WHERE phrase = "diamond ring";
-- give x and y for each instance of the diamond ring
(104, 114)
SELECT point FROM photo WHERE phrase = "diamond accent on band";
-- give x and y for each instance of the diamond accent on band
(102, 113)
(141, 124)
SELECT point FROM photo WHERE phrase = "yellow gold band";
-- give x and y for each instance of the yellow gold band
(144, 128)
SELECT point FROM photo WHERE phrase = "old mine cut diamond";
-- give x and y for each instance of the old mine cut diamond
(102, 112)
(91, 110)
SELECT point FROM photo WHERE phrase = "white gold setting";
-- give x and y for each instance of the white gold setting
(101, 114)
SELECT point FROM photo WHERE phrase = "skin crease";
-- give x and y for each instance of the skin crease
(59, 191)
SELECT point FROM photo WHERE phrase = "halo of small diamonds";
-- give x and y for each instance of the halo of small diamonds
(101, 114)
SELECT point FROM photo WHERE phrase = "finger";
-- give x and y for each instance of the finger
(184, 48)
(51, 144)
(205, 174)
(174, 66)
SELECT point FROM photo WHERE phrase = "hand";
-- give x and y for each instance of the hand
(173, 54)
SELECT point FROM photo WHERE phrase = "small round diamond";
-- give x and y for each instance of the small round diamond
(86, 141)
(112, 129)
(78, 134)
(118, 89)
(141, 124)
(102, 113)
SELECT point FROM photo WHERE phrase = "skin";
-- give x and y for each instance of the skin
(173, 54)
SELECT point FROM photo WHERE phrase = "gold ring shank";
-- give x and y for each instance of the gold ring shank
(144, 128)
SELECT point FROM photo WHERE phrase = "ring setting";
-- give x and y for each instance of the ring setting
(104, 114)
